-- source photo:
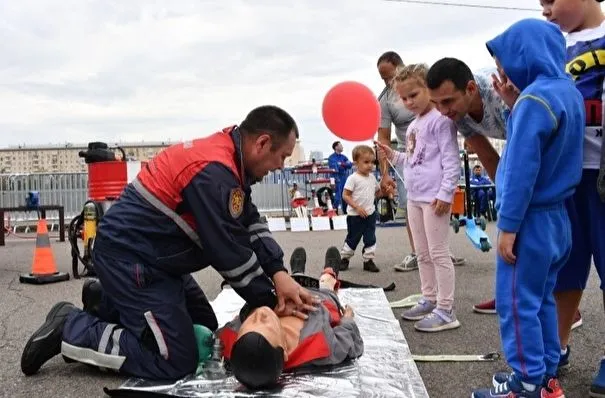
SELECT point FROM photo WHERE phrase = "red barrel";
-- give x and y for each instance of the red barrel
(106, 180)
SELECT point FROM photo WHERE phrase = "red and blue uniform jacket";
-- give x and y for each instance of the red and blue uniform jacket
(326, 337)
(190, 207)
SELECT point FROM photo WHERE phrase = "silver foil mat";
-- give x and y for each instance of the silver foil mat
(386, 369)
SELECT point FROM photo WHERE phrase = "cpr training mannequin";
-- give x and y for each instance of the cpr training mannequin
(259, 345)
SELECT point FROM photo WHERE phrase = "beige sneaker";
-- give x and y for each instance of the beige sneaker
(409, 263)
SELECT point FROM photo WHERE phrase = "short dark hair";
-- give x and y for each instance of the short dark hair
(335, 144)
(391, 57)
(255, 362)
(271, 120)
(451, 69)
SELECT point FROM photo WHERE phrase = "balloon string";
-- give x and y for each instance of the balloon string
(395, 170)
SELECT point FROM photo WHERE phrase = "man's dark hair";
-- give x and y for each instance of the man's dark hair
(391, 57)
(335, 144)
(270, 120)
(255, 362)
(451, 69)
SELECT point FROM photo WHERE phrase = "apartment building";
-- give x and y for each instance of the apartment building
(298, 155)
(64, 158)
(317, 155)
(24, 159)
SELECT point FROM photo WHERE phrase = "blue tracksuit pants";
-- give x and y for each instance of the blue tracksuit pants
(145, 323)
(524, 293)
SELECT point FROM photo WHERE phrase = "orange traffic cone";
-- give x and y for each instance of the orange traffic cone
(44, 268)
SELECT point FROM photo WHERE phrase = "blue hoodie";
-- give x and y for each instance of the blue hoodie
(542, 161)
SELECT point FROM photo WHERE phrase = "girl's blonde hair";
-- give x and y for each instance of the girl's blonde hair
(412, 71)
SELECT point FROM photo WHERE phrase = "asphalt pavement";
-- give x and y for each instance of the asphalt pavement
(24, 307)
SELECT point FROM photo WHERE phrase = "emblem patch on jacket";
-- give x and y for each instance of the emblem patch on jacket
(236, 202)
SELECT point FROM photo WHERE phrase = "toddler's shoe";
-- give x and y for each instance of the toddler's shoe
(370, 266)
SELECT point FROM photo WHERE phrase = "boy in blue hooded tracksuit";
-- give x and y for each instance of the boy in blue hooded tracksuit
(540, 167)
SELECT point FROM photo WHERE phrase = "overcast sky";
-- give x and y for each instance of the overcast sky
(131, 70)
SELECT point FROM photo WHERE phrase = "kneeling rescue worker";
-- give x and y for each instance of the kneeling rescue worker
(188, 208)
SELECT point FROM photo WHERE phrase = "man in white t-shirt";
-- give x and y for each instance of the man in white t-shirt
(394, 112)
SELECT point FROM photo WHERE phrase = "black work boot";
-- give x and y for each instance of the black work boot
(333, 259)
(45, 343)
(344, 264)
(298, 259)
(370, 266)
(92, 294)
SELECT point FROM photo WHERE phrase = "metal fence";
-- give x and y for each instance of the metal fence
(70, 190)
(65, 189)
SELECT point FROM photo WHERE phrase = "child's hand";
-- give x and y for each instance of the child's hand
(348, 312)
(505, 89)
(383, 151)
(506, 242)
(388, 185)
(440, 207)
(361, 212)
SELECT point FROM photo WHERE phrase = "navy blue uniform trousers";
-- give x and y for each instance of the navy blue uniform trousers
(339, 183)
(524, 293)
(145, 323)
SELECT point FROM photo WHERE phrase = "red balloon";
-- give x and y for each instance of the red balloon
(351, 111)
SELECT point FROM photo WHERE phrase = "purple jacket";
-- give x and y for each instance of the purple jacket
(431, 163)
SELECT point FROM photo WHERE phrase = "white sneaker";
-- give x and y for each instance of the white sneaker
(409, 263)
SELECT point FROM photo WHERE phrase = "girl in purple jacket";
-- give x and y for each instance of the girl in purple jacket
(431, 167)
